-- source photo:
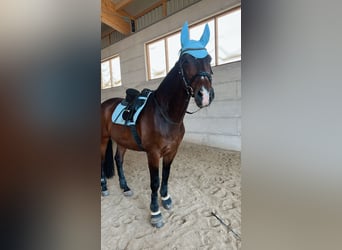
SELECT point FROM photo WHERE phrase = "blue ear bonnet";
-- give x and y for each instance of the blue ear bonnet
(195, 48)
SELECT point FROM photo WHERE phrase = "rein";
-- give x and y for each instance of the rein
(189, 112)
(162, 112)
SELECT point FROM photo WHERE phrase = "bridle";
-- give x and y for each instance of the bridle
(187, 84)
(188, 88)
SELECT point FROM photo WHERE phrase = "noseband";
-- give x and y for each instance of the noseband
(187, 83)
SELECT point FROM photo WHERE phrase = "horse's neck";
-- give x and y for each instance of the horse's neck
(172, 96)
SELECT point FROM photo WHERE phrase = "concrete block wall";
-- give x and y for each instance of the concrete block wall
(218, 125)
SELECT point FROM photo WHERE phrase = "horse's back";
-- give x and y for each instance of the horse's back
(107, 108)
(112, 102)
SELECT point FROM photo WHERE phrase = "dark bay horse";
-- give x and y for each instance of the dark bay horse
(160, 125)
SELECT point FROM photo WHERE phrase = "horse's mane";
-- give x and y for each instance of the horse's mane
(172, 73)
(171, 77)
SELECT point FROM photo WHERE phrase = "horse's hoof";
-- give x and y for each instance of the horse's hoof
(128, 193)
(167, 202)
(158, 224)
(105, 193)
(157, 221)
(167, 206)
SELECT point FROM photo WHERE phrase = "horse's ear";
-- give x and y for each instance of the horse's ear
(205, 36)
(185, 34)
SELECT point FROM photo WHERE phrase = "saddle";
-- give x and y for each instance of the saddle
(133, 102)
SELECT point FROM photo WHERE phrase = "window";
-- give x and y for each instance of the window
(173, 47)
(111, 73)
(229, 37)
(224, 45)
(156, 53)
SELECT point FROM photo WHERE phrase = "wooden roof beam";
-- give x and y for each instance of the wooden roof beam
(115, 22)
(112, 18)
(122, 4)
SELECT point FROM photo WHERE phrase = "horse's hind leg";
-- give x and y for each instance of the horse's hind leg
(165, 197)
(119, 157)
(104, 189)
(107, 164)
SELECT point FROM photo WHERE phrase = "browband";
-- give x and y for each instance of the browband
(187, 49)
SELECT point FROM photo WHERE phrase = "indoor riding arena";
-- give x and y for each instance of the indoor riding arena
(142, 41)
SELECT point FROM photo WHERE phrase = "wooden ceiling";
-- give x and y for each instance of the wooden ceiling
(118, 14)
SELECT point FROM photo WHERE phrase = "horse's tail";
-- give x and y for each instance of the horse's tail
(108, 164)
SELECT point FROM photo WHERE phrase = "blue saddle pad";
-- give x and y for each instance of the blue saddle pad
(119, 110)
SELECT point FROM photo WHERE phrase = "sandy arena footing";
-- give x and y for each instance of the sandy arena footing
(202, 180)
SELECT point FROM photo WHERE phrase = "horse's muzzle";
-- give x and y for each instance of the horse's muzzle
(204, 97)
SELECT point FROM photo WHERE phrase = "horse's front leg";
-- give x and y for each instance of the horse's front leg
(165, 196)
(153, 165)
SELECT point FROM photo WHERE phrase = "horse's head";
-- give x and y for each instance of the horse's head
(195, 67)
(197, 77)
